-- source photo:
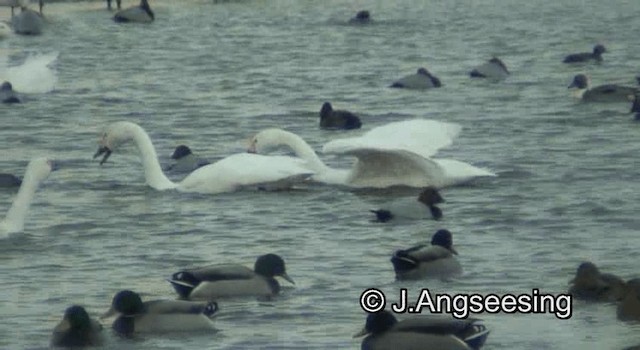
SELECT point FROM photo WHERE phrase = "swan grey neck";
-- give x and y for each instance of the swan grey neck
(152, 170)
(16, 215)
(302, 150)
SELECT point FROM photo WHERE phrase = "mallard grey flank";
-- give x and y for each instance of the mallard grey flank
(385, 332)
(337, 119)
(77, 329)
(602, 93)
(219, 281)
(492, 69)
(422, 208)
(141, 14)
(596, 55)
(592, 285)
(135, 316)
(422, 79)
(435, 260)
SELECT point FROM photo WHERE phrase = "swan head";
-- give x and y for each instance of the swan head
(266, 139)
(580, 81)
(40, 168)
(270, 265)
(181, 152)
(443, 239)
(114, 136)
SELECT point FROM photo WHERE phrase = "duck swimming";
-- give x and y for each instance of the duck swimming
(220, 281)
(596, 55)
(77, 329)
(629, 307)
(135, 316)
(424, 207)
(141, 13)
(385, 332)
(591, 285)
(185, 160)
(28, 22)
(428, 260)
(338, 119)
(362, 17)
(422, 79)
(602, 93)
(492, 69)
(7, 95)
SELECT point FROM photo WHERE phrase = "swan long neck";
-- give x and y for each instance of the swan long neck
(303, 150)
(152, 170)
(18, 211)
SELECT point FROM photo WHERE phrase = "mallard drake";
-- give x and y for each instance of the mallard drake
(423, 208)
(492, 69)
(596, 55)
(590, 284)
(422, 79)
(159, 315)
(338, 119)
(602, 93)
(385, 332)
(428, 260)
(219, 281)
(77, 329)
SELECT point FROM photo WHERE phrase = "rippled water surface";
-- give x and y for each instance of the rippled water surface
(211, 74)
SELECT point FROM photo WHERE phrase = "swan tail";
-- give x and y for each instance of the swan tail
(382, 215)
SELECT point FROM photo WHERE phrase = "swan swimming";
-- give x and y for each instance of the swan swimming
(226, 175)
(396, 154)
(141, 14)
(37, 171)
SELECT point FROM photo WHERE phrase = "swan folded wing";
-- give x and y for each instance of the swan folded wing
(174, 307)
(457, 172)
(384, 168)
(245, 169)
(422, 136)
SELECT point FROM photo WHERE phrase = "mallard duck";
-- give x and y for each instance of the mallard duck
(596, 55)
(385, 332)
(185, 160)
(218, 281)
(602, 93)
(159, 315)
(423, 208)
(629, 306)
(590, 284)
(492, 69)
(141, 13)
(428, 260)
(338, 119)
(422, 79)
(77, 329)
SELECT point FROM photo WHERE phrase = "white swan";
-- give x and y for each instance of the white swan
(226, 175)
(395, 154)
(37, 171)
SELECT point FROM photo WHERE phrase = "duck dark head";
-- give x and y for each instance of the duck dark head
(127, 303)
(444, 239)
(326, 110)
(6, 86)
(270, 265)
(363, 15)
(587, 269)
(599, 50)
(430, 196)
(77, 317)
(180, 152)
(423, 71)
(377, 323)
(580, 81)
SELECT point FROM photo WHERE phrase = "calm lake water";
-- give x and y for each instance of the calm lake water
(211, 74)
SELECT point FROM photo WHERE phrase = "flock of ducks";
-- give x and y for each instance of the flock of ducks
(378, 164)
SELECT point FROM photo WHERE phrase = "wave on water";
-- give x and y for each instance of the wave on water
(34, 76)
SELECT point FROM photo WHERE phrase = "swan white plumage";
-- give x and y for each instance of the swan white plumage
(396, 154)
(37, 171)
(226, 175)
